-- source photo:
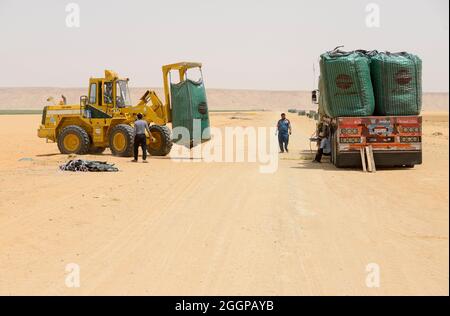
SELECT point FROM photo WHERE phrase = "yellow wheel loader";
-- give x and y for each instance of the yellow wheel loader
(105, 117)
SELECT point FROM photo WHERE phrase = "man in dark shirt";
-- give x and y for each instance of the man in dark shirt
(284, 130)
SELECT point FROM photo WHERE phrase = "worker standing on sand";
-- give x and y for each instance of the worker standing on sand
(140, 139)
(284, 130)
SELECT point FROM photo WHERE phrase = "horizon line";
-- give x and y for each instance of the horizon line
(212, 88)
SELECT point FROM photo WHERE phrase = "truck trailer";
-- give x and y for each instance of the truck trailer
(396, 141)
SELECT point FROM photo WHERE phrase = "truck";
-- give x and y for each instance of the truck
(396, 141)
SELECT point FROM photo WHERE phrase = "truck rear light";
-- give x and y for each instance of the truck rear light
(350, 140)
(349, 131)
(410, 129)
(410, 139)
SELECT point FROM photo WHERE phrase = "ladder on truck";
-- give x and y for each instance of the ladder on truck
(367, 160)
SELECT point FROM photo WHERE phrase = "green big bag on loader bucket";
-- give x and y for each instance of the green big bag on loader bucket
(190, 110)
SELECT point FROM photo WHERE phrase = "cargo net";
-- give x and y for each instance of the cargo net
(88, 165)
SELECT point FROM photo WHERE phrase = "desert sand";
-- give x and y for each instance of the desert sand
(197, 228)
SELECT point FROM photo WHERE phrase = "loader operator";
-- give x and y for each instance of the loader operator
(108, 93)
(140, 139)
(284, 130)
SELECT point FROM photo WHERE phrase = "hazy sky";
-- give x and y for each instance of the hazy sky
(243, 44)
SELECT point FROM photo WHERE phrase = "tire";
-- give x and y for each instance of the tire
(333, 148)
(163, 143)
(74, 139)
(96, 150)
(334, 151)
(121, 140)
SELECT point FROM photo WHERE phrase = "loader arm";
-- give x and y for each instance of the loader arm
(153, 113)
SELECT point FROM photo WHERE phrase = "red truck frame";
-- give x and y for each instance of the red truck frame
(396, 140)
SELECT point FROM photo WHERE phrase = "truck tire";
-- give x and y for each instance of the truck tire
(74, 139)
(163, 143)
(121, 140)
(333, 148)
(334, 151)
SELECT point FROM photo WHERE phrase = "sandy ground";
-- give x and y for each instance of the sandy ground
(197, 228)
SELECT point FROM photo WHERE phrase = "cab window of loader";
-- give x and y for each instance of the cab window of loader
(100, 99)
(122, 94)
(93, 93)
(108, 93)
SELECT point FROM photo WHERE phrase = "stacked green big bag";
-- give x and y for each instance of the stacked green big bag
(397, 83)
(345, 84)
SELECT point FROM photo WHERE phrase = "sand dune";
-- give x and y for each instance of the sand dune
(219, 99)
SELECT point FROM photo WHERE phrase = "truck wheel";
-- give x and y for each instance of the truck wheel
(121, 140)
(74, 139)
(334, 151)
(163, 143)
(333, 148)
(96, 150)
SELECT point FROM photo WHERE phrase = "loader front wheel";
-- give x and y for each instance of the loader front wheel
(163, 142)
(121, 140)
(74, 139)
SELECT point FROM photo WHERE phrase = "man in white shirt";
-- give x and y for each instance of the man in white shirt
(140, 139)
(324, 147)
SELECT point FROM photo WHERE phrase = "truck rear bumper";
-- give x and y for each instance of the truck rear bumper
(382, 158)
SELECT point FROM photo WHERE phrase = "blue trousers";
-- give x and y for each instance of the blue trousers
(283, 141)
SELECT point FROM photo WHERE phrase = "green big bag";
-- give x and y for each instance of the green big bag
(397, 83)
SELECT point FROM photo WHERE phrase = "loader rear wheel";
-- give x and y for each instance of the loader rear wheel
(121, 140)
(163, 141)
(74, 139)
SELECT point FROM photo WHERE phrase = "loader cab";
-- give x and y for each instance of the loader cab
(108, 94)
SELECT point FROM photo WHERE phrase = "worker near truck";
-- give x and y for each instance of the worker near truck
(284, 130)
(324, 146)
(140, 139)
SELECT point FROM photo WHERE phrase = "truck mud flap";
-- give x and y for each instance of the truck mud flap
(382, 159)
